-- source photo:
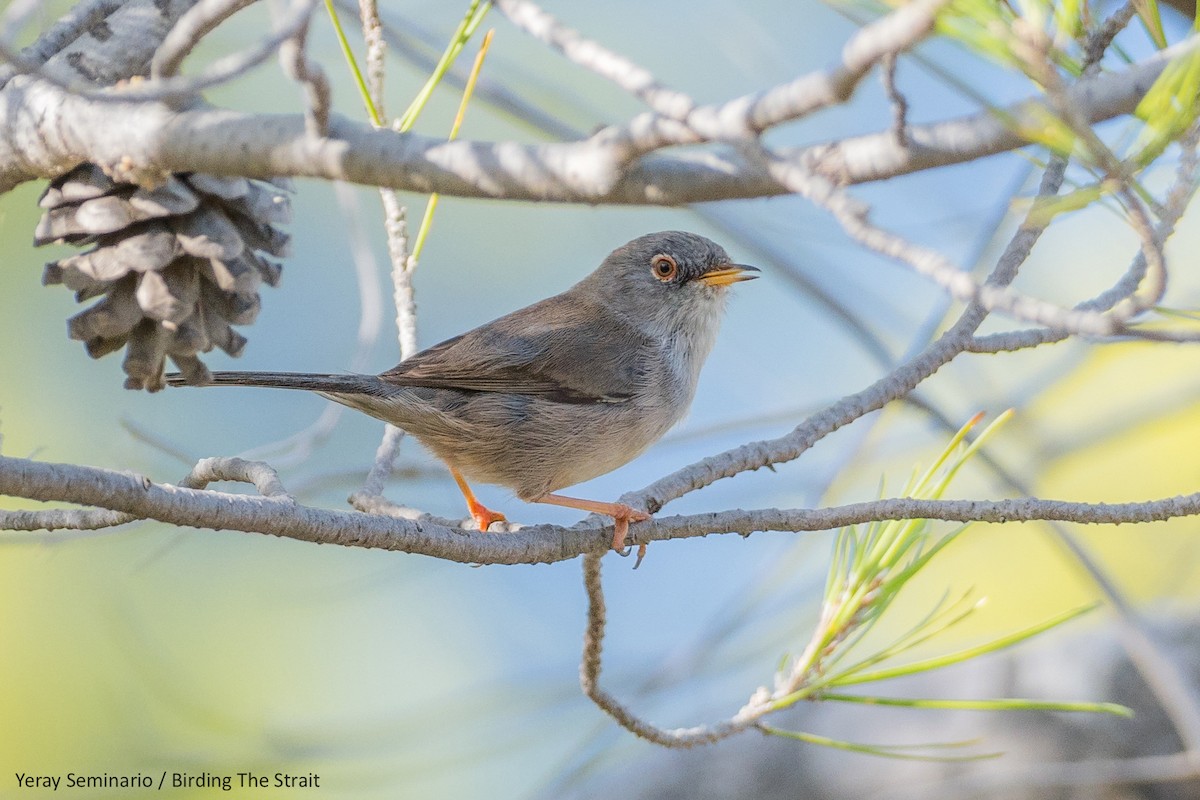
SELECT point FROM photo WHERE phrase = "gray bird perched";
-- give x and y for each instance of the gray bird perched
(561, 391)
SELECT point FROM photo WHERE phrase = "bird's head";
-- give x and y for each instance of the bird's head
(669, 282)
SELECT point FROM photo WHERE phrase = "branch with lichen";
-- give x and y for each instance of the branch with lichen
(278, 514)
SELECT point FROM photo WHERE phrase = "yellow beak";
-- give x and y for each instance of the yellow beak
(731, 273)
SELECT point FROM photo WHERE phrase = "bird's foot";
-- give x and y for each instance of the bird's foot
(484, 516)
(621, 515)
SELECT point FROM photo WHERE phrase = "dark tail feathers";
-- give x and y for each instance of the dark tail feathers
(343, 384)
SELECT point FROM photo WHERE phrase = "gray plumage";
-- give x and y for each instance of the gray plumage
(564, 390)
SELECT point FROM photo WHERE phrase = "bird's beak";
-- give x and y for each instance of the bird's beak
(730, 273)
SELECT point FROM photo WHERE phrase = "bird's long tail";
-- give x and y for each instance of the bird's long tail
(333, 384)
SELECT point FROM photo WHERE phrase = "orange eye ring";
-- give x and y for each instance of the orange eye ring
(664, 267)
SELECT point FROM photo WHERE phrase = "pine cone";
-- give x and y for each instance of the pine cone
(176, 266)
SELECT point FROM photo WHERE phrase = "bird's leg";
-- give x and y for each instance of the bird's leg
(621, 515)
(482, 515)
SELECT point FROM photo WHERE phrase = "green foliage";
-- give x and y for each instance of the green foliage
(1046, 209)
(1147, 11)
(1048, 42)
(352, 62)
(871, 566)
(1028, 36)
(470, 23)
(1169, 108)
(466, 28)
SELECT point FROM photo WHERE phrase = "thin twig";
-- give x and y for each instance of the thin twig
(597, 58)
(898, 101)
(373, 35)
(406, 328)
(298, 66)
(156, 441)
(263, 476)
(589, 677)
(853, 217)
(74, 519)
(1179, 196)
(745, 117)
(200, 20)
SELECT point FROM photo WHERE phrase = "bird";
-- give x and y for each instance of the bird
(561, 391)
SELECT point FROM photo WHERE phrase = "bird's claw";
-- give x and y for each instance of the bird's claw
(484, 517)
(621, 522)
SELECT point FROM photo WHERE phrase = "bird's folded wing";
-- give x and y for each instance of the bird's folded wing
(558, 349)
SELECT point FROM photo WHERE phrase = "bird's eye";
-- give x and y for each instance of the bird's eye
(664, 268)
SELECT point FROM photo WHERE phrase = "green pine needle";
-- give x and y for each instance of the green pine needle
(907, 752)
(997, 704)
(967, 654)
(469, 24)
(352, 62)
(871, 565)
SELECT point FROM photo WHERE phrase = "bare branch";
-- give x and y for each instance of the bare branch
(596, 58)
(1099, 42)
(745, 117)
(262, 476)
(75, 519)
(1179, 196)
(381, 469)
(373, 35)
(875, 157)
(200, 20)
(898, 101)
(895, 33)
(395, 221)
(853, 217)
(275, 513)
(395, 224)
(300, 68)
(589, 678)
(1149, 290)
(149, 138)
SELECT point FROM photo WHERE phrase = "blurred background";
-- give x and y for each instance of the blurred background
(150, 648)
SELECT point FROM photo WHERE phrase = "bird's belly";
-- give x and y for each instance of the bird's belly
(528, 444)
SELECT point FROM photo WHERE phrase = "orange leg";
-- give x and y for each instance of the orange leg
(482, 515)
(621, 514)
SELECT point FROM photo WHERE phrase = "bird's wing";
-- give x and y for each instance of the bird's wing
(561, 349)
